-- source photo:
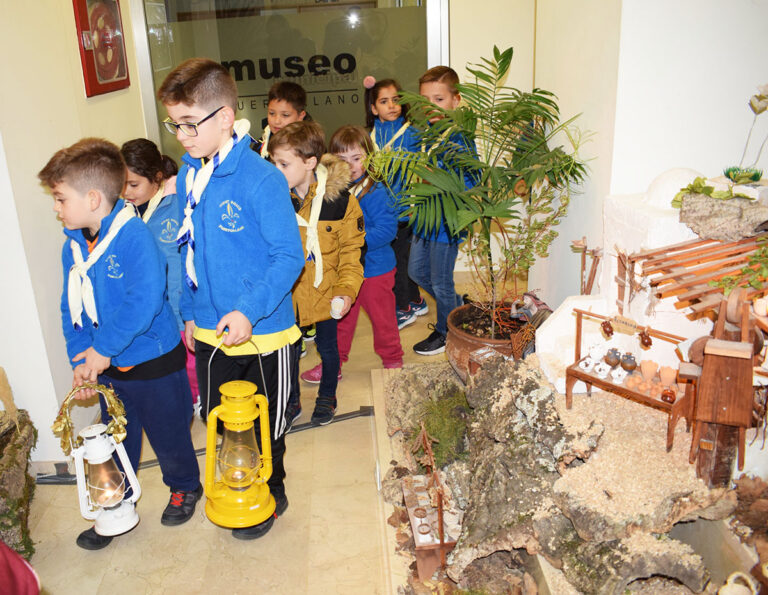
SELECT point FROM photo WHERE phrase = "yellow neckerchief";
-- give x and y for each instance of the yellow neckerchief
(313, 239)
(391, 141)
(443, 136)
(154, 202)
(263, 343)
(265, 142)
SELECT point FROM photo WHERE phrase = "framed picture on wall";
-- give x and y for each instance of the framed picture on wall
(102, 47)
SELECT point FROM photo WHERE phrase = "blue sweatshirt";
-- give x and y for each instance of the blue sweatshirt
(470, 180)
(248, 251)
(136, 323)
(380, 217)
(164, 225)
(408, 141)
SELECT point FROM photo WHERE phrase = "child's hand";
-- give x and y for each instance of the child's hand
(189, 335)
(81, 376)
(95, 363)
(239, 327)
(347, 304)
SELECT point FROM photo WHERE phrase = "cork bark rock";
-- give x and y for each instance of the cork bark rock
(531, 483)
(726, 220)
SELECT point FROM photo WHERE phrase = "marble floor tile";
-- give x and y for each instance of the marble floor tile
(327, 542)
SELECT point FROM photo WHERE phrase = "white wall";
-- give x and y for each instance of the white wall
(686, 72)
(577, 47)
(504, 23)
(22, 344)
(42, 109)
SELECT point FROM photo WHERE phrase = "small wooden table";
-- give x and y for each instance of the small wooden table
(682, 407)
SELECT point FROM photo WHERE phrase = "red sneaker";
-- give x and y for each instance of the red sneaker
(314, 375)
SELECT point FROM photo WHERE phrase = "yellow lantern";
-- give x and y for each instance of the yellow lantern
(236, 476)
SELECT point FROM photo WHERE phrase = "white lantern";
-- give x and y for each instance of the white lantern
(101, 486)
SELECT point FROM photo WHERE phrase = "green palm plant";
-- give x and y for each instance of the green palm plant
(512, 191)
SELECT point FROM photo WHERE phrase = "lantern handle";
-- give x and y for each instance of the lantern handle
(64, 429)
(85, 508)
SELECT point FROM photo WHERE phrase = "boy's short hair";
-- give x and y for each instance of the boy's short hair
(91, 163)
(348, 137)
(305, 138)
(441, 74)
(199, 81)
(292, 93)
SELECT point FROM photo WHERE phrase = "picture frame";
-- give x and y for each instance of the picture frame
(102, 46)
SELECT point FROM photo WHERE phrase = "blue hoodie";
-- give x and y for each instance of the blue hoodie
(248, 251)
(380, 217)
(136, 323)
(408, 141)
(470, 180)
(164, 225)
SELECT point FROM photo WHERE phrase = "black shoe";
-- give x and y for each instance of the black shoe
(260, 530)
(281, 504)
(432, 345)
(309, 333)
(325, 409)
(181, 507)
(90, 540)
(292, 413)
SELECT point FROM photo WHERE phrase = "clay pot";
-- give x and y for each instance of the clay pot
(612, 357)
(667, 375)
(668, 396)
(732, 586)
(648, 369)
(628, 362)
(459, 345)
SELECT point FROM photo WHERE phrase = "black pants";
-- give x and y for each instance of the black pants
(274, 384)
(406, 290)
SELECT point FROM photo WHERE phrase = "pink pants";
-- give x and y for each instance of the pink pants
(191, 372)
(378, 300)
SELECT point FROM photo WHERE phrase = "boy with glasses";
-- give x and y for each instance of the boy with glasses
(241, 251)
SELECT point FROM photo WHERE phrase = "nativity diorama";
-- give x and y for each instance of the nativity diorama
(613, 445)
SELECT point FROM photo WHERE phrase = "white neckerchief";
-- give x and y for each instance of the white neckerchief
(313, 240)
(195, 184)
(392, 140)
(153, 204)
(357, 189)
(443, 136)
(79, 287)
(265, 142)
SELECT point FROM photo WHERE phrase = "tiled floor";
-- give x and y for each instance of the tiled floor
(327, 542)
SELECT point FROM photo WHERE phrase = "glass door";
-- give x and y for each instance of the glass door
(326, 46)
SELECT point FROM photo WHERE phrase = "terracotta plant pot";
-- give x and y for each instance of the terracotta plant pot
(648, 369)
(459, 344)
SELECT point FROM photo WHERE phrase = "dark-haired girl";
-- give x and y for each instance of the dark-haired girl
(150, 186)
(390, 130)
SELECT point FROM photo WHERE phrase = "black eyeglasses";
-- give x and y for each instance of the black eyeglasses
(188, 128)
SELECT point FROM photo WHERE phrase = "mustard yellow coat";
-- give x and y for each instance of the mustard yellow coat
(342, 238)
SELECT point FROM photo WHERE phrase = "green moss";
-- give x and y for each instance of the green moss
(16, 510)
(445, 419)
